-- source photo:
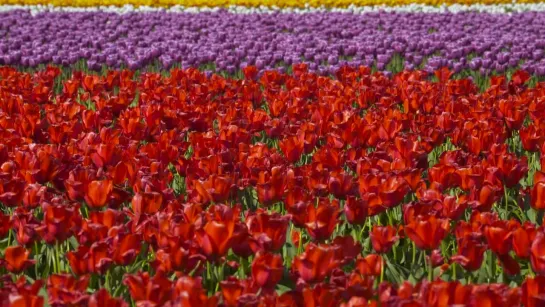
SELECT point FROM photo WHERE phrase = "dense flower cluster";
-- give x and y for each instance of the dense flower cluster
(254, 3)
(272, 190)
(222, 41)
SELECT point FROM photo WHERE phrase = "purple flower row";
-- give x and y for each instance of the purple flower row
(477, 41)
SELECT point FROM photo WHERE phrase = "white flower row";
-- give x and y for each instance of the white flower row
(412, 8)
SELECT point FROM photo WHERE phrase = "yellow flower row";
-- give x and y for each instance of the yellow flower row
(252, 3)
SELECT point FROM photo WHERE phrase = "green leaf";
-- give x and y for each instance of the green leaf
(532, 216)
(281, 289)
(43, 293)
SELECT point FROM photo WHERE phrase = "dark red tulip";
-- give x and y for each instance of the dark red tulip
(348, 249)
(470, 252)
(355, 211)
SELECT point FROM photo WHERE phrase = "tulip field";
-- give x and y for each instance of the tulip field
(263, 153)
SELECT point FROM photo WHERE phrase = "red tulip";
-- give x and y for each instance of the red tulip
(355, 211)
(90, 260)
(66, 289)
(348, 249)
(103, 298)
(341, 184)
(216, 237)
(537, 254)
(12, 192)
(383, 238)
(268, 231)
(59, 223)
(321, 220)
(522, 239)
(215, 188)
(470, 252)
(16, 259)
(270, 189)
(5, 224)
(498, 238)
(533, 291)
(189, 292)
(97, 193)
(315, 263)
(143, 288)
(147, 202)
(126, 248)
(267, 270)
(370, 265)
(427, 233)
(231, 290)
(292, 147)
(538, 191)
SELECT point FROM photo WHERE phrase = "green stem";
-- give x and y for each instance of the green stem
(36, 253)
(84, 210)
(430, 269)
(414, 253)
(55, 269)
(390, 220)
(106, 281)
(531, 272)
(506, 202)
(300, 247)
(57, 256)
(9, 237)
(382, 269)
(361, 232)
(243, 264)
(491, 265)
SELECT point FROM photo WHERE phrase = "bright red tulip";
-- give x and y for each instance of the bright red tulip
(97, 193)
(315, 263)
(16, 259)
(427, 233)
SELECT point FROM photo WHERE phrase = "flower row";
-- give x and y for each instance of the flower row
(222, 41)
(272, 190)
(254, 3)
(502, 8)
(505, 8)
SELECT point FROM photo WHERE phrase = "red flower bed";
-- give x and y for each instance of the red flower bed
(280, 190)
